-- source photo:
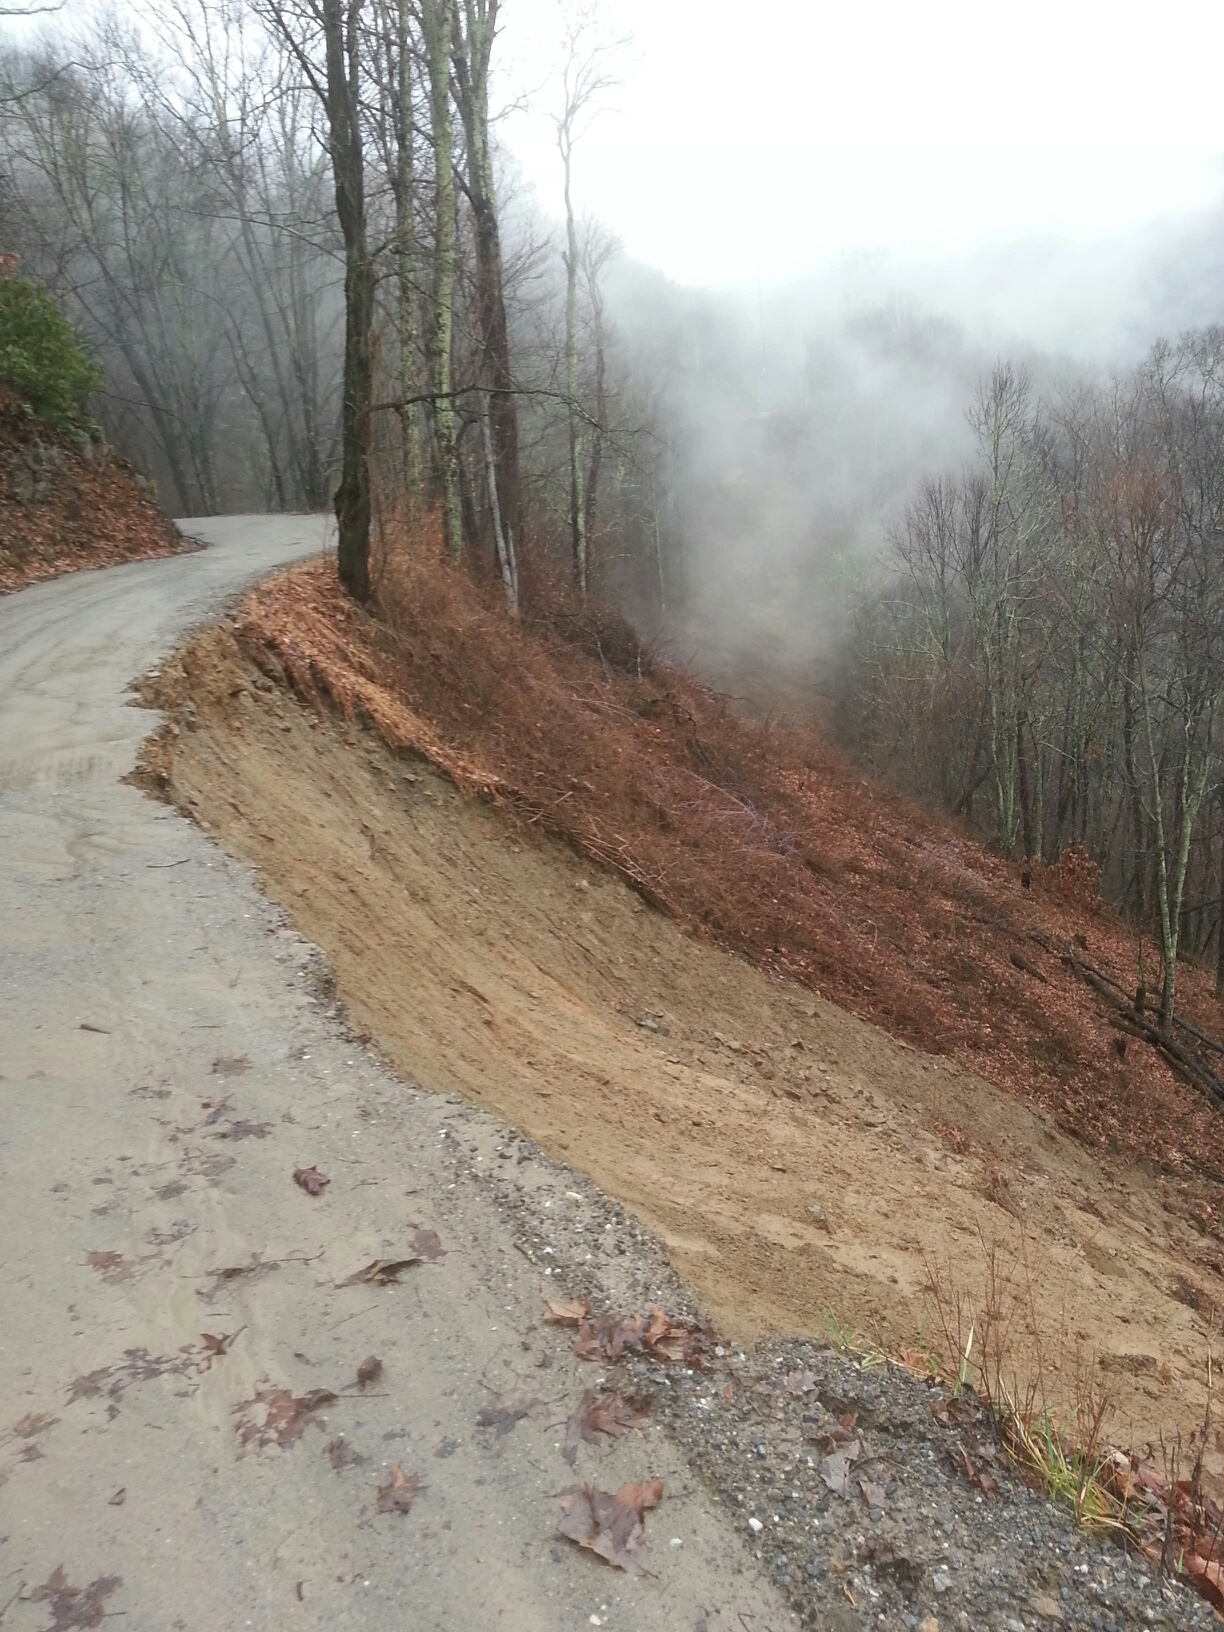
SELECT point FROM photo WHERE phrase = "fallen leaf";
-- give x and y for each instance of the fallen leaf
(567, 1314)
(110, 1266)
(835, 1468)
(427, 1244)
(341, 1454)
(505, 1411)
(73, 1607)
(398, 1495)
(369, 1371)
(311, 1180)
(382, 1272)
(139, 1366)
(1208, 1578)
(609, 1413)
(234, 1272)
(215, 1345)
(873, 1494)
(242, 1129)
(286, 1416)
(611, 1526)
(33, 1424)
(611, 1336)
(977, 1477)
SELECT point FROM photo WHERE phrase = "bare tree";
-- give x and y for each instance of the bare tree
(474, 25)
(585, 77)
(332, 29)
(438, 25)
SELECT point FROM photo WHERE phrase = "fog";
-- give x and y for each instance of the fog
(834, 224)
(830, 228)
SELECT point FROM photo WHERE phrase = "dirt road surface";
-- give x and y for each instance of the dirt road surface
(171, 1301)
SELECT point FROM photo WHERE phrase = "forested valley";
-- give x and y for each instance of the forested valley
(310, 272)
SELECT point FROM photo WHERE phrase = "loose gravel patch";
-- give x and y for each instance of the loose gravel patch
(907, 1540)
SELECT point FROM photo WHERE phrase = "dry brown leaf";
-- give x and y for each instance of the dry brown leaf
(110, 1266)
(215, 1345)
(382, 1272)
(567, 1314)
(835, 1468)
(311, 1180)
(609, 1413)
(72, 1607)
(400, 1491)
(1207, 1576)
(612, 1336)
(369, 1371)
(611, 1525)
(341, 1454)
(427, 1245)
(505, 1411)
(873, 1494)
(33, 1424)
(286, 1416)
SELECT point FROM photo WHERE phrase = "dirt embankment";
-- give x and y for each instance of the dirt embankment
(799, 1163)
(67, 504)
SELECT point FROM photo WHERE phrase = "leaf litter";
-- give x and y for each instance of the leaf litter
(611, 1336)
(425, 1247)
(608, 1413)
(286, 1417)
(400, 1491)
(341, 1454)
(505, 1412)
(369, 1371)
(611, 1525)
(72, 1607)
(311, 1180)
(110, 1265)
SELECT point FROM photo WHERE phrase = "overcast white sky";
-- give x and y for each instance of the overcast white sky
(759, 140)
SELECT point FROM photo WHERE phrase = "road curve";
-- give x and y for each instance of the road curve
(165, 1064)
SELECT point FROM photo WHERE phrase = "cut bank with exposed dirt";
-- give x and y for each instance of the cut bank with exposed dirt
(68, 503)
(795, 1159)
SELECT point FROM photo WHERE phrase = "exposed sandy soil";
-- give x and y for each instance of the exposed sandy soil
(794, 1158)
(65, 506)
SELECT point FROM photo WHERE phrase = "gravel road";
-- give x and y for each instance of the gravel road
(228, 1403)
(184, 1441)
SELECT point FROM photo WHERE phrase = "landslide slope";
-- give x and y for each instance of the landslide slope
(769, 1006)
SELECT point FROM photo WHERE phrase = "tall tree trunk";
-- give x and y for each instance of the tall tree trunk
(340, 24)
(403, 188)
(578, 535)
(437, 20)
(503, 541)
(475, 25)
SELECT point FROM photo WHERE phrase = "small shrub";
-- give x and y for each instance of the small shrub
(41, 358)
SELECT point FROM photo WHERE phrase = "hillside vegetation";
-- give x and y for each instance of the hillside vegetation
(67, 500)
(760, 837)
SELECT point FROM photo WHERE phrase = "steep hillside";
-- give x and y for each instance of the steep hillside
(795, 1159)
(68, 503)
(761, 838)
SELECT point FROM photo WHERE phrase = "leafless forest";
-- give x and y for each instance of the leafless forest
(289, 233)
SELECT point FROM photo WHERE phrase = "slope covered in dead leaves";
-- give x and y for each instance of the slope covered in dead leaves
(795, 1159)
(67, 504)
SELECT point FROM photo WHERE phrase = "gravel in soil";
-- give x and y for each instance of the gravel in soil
(907, 1540)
